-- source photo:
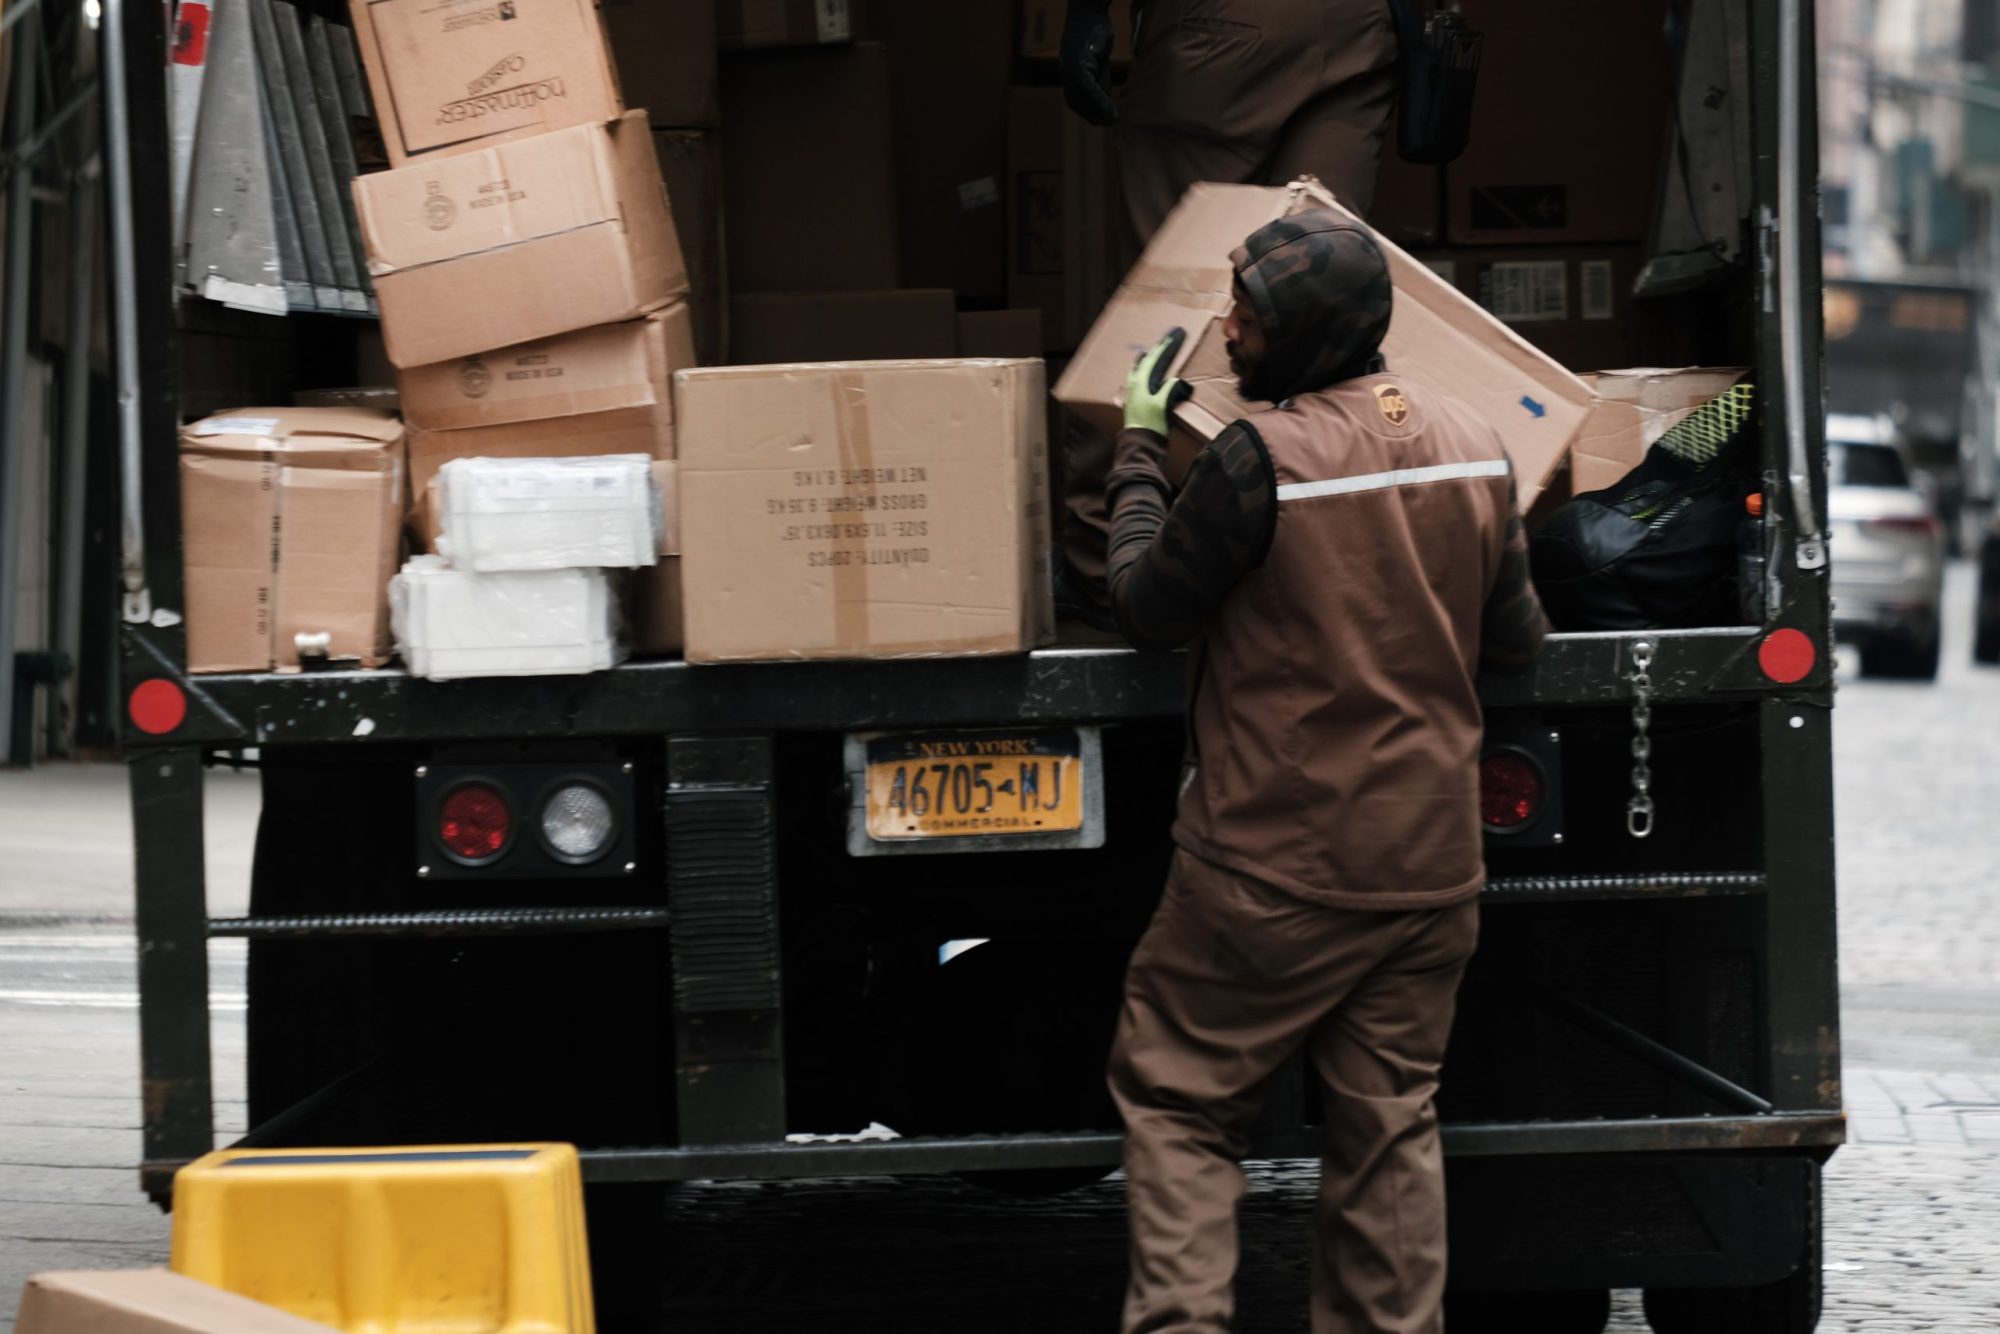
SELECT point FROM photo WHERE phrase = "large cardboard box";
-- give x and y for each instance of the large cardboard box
(769, 327)
(611, 367)
(811, 197)
(447, 76)
(1573, 302)
(1586, 93)
(1064, 212)
(520, 240)
(666, 52)
(948, 76)
(758, 23)
(1438, 338)
(289, 525)
(1635, 408)
(691, 166)
(864, 510)
(146, 1301)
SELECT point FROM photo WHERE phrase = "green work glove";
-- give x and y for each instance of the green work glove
(1151, 394)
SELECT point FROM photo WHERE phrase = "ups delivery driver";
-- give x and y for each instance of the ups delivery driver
(1343, 565)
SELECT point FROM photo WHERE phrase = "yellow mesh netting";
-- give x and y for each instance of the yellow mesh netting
(1700, 435)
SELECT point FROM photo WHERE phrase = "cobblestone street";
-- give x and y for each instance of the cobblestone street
(1912, 1203)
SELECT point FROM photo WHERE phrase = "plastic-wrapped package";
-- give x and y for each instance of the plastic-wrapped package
(548, 513)
(454, 623)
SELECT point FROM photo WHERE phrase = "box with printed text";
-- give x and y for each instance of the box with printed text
(881, 509)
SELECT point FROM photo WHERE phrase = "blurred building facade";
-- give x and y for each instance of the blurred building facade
(1910, 192)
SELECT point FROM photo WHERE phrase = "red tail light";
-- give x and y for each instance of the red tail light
(1920, 525)
(1511, 789)
(474, 823)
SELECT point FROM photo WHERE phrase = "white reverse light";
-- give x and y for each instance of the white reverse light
(577, 822)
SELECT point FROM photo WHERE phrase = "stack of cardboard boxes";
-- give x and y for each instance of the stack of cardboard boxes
(529, 266)
(867, 226)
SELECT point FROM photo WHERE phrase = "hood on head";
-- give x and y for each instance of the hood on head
(1319, 286)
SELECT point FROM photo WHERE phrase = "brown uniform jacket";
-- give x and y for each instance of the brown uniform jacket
(1334, 723)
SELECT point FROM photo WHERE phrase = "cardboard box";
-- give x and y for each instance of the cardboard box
(1000, 333)
(1064, 215)
(768, 327)
(619, 431)
(146, 1301)
(1042, 29)
(1574, 302)
(691, 165)
(656, 610)
(948, 79)
(610, 367)
(1438, 338)
(811, 197)
(1576, 155)
(864, 510)
(744, 24)
(666, 53)
(448, 77)
(1635, 408)
(519, 241)
(289, 520)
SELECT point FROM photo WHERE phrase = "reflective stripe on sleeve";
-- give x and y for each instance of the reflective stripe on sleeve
(1378, 481)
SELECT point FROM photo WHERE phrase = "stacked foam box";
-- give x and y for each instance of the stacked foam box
(519, 584)
(525, 253)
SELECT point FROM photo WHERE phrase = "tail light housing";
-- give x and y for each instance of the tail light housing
(475, 823)
(1512, 789)
(564, 818)
(1520, 783)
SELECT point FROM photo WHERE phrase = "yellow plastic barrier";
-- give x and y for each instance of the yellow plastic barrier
(459, 1239)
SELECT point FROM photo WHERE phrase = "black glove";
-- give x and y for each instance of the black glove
(1086, 61)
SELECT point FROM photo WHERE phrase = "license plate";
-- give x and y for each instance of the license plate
(1033, 787)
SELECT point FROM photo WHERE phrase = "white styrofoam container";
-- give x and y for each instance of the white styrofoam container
(453, 623)
(548, 514)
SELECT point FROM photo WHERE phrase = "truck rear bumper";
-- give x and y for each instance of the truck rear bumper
(903, 1157)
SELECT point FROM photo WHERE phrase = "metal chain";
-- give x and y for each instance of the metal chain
(1639, 810)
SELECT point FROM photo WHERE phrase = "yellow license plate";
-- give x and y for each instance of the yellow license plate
(954, 785)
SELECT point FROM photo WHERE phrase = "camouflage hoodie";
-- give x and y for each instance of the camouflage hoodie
(1320, 289)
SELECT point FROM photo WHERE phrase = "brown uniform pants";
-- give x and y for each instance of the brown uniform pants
(1231, 978)
(1241, 92)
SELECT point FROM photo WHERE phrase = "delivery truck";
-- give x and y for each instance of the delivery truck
(711, 919)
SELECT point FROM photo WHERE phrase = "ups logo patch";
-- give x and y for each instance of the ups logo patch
(1395, 408)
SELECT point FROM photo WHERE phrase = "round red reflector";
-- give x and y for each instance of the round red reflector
(157, 706)
(1786, 656)
(474, 823)
(1510, 790)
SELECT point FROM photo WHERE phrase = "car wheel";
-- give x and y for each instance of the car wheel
(1901, 659)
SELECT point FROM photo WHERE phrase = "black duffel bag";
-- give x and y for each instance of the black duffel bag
(1659, 549)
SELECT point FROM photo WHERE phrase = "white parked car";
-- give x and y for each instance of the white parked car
(1887, 552)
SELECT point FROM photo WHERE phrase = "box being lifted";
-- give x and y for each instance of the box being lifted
(887, 509)
(520, 240)
(448, 75)
(1438, 338)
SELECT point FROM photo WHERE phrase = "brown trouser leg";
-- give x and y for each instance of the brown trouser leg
(1236, 91)
(1230, 980)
